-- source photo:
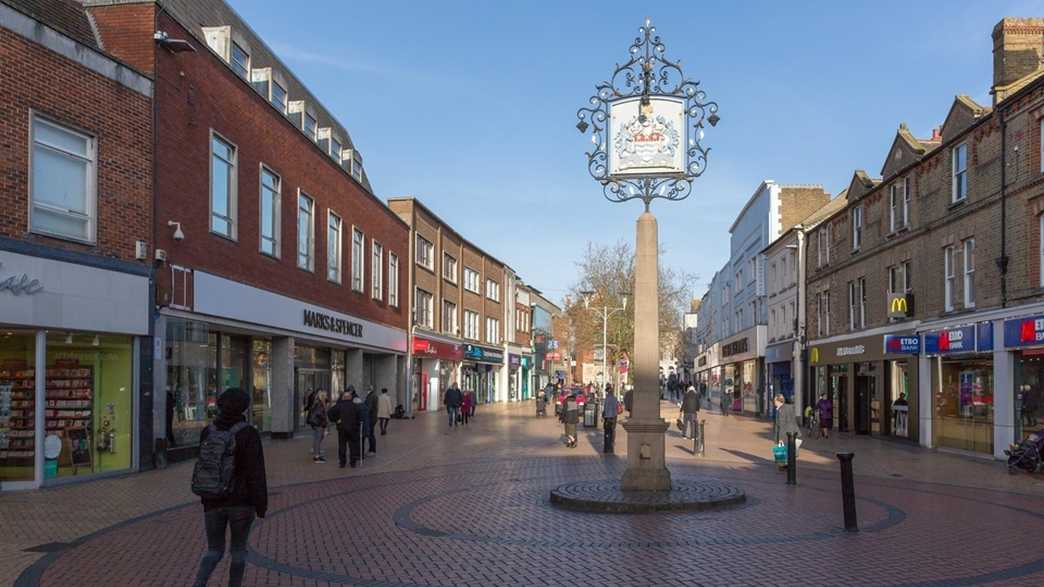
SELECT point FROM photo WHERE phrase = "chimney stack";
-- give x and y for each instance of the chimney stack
(1018, 51)
(936, 134)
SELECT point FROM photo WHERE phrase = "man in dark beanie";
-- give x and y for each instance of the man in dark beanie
(232, 492)
(347, 413)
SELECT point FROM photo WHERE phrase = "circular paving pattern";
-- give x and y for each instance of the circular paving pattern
(491, 522)
(686, 494)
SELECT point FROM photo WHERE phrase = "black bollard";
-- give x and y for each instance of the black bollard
(848, 491)
(791, 458)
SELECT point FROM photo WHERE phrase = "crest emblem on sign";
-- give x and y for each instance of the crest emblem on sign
(652, 143)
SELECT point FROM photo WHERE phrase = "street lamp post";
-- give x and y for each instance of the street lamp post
(646, 122)
(606, 313)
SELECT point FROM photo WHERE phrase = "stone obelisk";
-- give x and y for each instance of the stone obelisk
(646, 468)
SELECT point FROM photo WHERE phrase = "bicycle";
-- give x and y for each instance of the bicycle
(813, 427)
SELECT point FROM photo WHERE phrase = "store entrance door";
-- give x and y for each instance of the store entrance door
(307, 381)
(863, 393)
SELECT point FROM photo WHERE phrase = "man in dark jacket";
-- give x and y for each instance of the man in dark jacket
(690, 411)
(348, 416)
(629, 400)
(371, 421)
(452, 399)
(249, 495)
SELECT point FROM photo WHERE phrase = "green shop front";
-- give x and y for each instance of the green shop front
(72, 331)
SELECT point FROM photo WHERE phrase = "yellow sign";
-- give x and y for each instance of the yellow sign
(814, 355)
(898, 306)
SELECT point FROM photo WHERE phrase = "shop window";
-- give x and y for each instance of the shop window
(17, 406)
(192, 380)
(89, 413)
(261, 390)
(222, 187)
(63, 182)
(1029, 392)
(963, 412)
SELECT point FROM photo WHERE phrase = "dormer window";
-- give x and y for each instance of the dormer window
(277, 97)
(239, 59)
(353, 161)
(310, 127)
(335, 149)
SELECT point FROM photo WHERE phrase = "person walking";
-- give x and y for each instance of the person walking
(230, 503)
(452, 400)
(384, 410)
(570, 417)
(466, 406)
(825, 407)
(690, 409)
(347, 414)
(786, 422)
(371, 420)
(611, 408)
(629, 400)
(318, 421)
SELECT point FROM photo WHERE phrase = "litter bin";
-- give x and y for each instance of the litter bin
(591, 415)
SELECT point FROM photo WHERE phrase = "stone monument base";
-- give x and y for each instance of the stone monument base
(686, 494)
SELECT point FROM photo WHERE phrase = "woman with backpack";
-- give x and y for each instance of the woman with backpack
(317, 419)
(230, 480)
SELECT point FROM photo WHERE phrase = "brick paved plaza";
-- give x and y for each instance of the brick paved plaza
(471, 508)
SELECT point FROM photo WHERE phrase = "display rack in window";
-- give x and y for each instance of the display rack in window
(68, 410)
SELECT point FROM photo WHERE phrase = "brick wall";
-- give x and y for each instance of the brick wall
(798, 203)
(120, 119)
(196, 93)
(126, 32)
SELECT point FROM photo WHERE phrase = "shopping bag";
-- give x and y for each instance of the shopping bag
(779, 454)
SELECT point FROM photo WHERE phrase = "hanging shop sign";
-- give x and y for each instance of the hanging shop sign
(514, 361)
(902, 344)
(950, 340)
(647, 140)
(474, 352)
(1024, 332)
(435, 349)
(900, 305)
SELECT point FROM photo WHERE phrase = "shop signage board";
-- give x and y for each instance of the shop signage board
(474, 352)
(736, 347)
(1022, 332)
(902, 344)
(900, 305)
(984, 338)
(553, 356)
(435, 349)
(951, 340)
(514, 361)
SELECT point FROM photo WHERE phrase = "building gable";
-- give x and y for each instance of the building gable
(963, 113)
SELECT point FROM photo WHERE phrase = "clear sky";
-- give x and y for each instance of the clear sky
(471, 106)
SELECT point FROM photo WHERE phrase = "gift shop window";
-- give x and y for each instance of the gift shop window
(17, 406)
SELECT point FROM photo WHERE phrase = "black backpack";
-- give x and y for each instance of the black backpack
(214, 474)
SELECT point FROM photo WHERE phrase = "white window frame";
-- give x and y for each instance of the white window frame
(852, 305)
(857, 227)
(949, 277)
(90, 215)
(277, 206)
(959, 184)
(472, 280)
(899, 205)
(233, 187)
(471, 325)
(452, 276)
(449, 310)
(862, 302)
(335, 239)
(424, 307)
(376, 270)
(309, 264)
(492, 330)
(358, 261)
(969, 272)
(426, 261)
(492, 290)
(245, 74)
(393, 279)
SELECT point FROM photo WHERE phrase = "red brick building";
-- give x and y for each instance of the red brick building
(75, 240)
(283, 273)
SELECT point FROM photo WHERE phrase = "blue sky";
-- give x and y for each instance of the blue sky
(471, 106)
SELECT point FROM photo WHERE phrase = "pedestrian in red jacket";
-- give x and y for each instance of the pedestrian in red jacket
(465, 407)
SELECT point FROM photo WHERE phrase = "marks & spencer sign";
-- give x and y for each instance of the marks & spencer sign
(332, 323)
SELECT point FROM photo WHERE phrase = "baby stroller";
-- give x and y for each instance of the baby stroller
(1027, 455)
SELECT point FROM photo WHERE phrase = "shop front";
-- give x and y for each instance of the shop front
(1024, 338)
(708, 375)
(871, 383)
(281, 351)
(70, 348)
(961, 364)
(435, 364)
(514, 376)
(779, 359)
(480, 370)
(743, 385)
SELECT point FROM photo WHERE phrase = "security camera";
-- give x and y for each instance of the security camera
(178, 234)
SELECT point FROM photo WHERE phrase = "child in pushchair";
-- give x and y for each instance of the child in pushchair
(1028, 455)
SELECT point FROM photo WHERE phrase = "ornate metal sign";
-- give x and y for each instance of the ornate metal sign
(647, 122)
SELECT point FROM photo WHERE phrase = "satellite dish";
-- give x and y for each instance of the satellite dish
(52, 446)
